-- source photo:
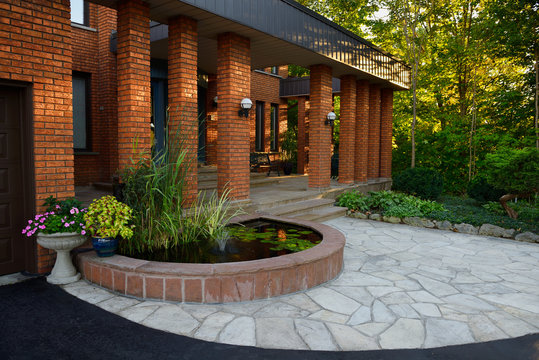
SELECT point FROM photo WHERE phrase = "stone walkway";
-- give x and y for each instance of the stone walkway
(402, 287)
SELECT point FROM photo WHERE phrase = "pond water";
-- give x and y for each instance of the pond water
(253, 240)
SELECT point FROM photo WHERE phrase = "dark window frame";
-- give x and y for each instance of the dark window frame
(87, 77)
(85, 15)
(274, 127)
(259, 126)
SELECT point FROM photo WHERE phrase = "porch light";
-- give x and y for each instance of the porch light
(330, 118)
(215, 101)
(246, 105)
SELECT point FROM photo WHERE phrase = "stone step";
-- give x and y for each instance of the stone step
(323, 214)
(300, 207)
(103, 186)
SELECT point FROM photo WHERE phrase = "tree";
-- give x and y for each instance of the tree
(516, 171)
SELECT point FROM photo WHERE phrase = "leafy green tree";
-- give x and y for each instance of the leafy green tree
(516, 171)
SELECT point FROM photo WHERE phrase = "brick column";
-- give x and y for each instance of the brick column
(373, 168)
(362, 131)
(348, 129)
(301, 136)
(233, 84)
(386, 132)
(133, 78)
(182, 97)
(319, 132)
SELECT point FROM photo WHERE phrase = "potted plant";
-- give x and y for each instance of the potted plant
(289, 146)
(61, 228)
(106, 220)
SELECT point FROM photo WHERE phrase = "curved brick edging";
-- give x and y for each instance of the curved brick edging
(226, 282)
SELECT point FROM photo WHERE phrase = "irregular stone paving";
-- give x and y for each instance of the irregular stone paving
(402, 287)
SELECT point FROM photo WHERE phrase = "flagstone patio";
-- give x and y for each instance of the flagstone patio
(401, 287)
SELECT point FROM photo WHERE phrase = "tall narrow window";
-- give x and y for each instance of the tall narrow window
(80, 112)
(274, 70)
(274, 129)
(259, 126)
(79, 12)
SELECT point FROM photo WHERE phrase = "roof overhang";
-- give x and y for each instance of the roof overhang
(281, 32)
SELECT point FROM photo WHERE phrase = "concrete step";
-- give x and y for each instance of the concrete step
(103, 186)
(323, 214)
(301, 207)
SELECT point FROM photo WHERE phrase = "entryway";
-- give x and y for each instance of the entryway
(15, 177)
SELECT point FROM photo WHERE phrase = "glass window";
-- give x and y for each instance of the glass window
(274, 70)
(274, 130)
(259, 125)
(80, 112)
(79, 12)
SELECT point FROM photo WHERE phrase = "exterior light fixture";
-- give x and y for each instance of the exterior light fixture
(246, 105)
(330, 118)
(215, 101)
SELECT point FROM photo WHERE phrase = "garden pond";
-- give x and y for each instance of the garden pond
(252, 240)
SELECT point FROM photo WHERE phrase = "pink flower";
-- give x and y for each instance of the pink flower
(24, 231)
(58, 207)
(83, 232)
(42, 220)
(42, 227)
(66, 225)
(29, 221)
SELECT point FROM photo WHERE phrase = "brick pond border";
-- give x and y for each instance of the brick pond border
(221, 283)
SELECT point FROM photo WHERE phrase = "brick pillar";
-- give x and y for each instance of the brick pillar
(182, 96)
(283, 123)
(301, 136)
(362, 131)
(211, 121)
(133, 78)
(233, 84)
(348, 129)
(373, 168)
(386, 132)
(319, 132)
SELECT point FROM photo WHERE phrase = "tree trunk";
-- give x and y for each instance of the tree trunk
(510, 212)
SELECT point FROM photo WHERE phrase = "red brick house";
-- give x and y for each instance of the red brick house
(78, 80)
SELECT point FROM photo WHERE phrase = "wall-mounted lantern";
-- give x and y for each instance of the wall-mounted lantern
(215, 101)
(330, 118)
(246, 105)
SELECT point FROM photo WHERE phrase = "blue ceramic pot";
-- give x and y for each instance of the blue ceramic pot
(105, 246)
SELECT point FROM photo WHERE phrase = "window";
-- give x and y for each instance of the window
(80, 111)
(274, 127)
(259, 126)
(79, 12)
(274, 70)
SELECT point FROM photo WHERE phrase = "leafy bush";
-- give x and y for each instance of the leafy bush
(516, 170)
(526, 211)
(389, 203)
(354, 200)
(422, 182)
(480, 190)
(107, 217)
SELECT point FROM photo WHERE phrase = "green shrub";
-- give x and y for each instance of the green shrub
(354, 200)
(407, 209)
(422, 182)
(480, 190)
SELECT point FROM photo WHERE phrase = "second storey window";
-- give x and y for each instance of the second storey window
(79, 12)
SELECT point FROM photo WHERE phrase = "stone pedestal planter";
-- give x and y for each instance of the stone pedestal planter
(63, 271)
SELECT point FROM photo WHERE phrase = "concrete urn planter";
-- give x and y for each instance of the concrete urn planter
(63, 271)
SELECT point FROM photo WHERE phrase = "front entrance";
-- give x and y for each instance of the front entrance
(14, 179)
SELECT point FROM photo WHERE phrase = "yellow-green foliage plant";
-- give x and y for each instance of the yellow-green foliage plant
(107, 217)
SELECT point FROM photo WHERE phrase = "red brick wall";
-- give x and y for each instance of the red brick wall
(348, 129)
(373, 168)
(35, 47)
(91, 54)
(386, 132)
(362, 130)
(233, 84)
(134, 86)
(182, 95)
(319, 133)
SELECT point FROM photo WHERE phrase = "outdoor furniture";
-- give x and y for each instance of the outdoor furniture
(262, 160)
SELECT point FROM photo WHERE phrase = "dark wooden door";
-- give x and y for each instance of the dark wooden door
(12, 242)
